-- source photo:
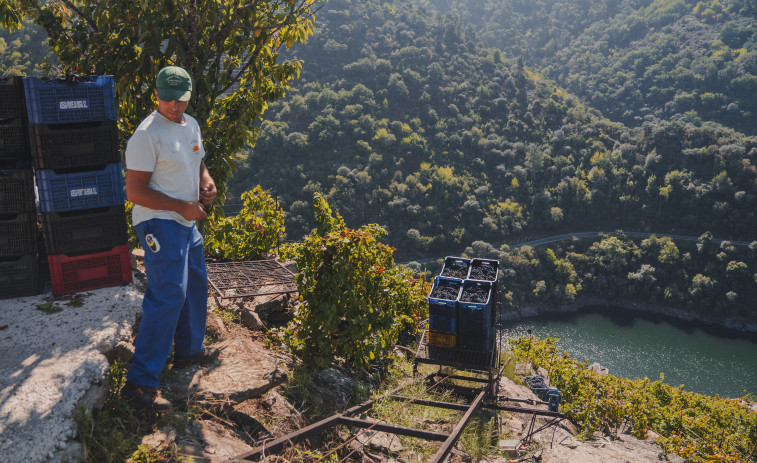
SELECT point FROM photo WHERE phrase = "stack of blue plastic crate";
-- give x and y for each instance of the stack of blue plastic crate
(442, 312)
(74, 145)
(476, 319)
(462, 323)
(19, 262)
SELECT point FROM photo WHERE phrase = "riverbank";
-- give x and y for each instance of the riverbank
(736, 324)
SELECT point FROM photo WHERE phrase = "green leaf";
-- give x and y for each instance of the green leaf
(48, 308)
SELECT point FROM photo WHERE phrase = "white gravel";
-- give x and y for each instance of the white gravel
(49, 361)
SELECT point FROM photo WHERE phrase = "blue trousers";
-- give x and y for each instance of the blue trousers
(176, 301)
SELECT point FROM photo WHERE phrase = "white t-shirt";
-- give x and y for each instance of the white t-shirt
(172, 152)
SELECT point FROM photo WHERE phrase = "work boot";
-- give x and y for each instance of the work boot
(145, 397)
(203, 357)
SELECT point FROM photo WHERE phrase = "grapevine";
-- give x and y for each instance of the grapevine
(697, 427)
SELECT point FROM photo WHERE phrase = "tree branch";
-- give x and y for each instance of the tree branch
(81, 15)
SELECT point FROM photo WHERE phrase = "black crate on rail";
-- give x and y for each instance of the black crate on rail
(11, 98)
(16, 188)
(14, 141)
(19, 276)
(69, 99)
(84, 230)
(82, 144)
(18, 234)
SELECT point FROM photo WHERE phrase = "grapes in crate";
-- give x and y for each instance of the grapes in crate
(483, 272)
(477, 294)
(445, 291)
(455, 269)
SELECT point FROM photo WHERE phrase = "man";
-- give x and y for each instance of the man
(168, 183)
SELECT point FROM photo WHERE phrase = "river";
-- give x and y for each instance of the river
(707, 361)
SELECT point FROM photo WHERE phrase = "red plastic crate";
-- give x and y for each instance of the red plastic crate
(73, 274)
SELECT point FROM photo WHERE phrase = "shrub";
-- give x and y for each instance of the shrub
(697, 427)
(355, 299)
(251, 233)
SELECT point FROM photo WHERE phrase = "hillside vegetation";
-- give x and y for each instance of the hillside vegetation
(406, 119)
(713, 281)
(634, 60)
(24, 51)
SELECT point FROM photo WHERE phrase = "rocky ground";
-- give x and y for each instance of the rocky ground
(242, 393)
(238, 402)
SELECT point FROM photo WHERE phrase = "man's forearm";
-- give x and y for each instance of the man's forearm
(139, 192)
(154, 199)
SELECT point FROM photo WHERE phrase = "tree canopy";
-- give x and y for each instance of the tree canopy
(231, 49)
(634, 60)
(409, 120)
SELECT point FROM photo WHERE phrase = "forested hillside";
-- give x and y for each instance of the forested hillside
(634, 60)
(406, 119)
(22, 51)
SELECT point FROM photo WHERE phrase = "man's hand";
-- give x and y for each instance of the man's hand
(208, 190)
(192, 210)
(208, 193)
(139, 192)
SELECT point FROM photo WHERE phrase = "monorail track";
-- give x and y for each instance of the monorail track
(482, 396)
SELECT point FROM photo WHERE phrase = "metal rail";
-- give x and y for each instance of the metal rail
(448, 440)
(486, 390)
(446, 447)
(276, 445)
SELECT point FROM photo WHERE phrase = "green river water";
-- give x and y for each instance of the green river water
(707, 361)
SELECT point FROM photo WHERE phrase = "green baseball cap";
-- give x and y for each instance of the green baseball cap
(173, 84)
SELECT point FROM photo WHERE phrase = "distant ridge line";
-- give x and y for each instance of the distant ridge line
(567, 236)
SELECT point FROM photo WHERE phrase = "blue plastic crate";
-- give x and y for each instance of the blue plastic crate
(79, 99)
(442, 323)
(483, 269)
(443, 306)
(61, 192)
(455, 267)
(554, 399)
(535, 382)
(474, 318)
